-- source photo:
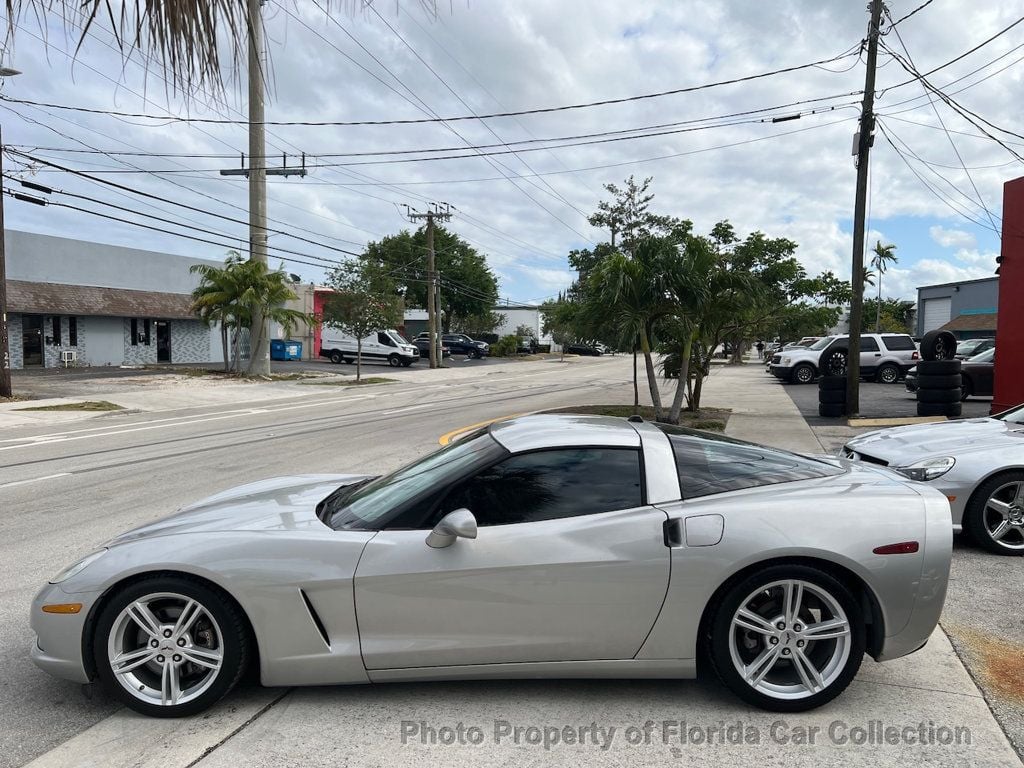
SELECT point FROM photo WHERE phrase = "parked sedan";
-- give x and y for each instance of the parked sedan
(549, 545)
(975, 463)
(460, 344)
(971, 347)
(579, 348)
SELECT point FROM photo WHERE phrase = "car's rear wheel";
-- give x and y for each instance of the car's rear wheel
(994, 517)
(170, 646)
(787, 638)
(888, 374)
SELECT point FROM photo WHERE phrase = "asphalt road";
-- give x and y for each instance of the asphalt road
(98, 478)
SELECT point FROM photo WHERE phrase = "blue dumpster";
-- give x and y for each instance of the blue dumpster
(285, 350)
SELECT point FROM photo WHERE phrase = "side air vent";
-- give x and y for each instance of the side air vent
(316, 618)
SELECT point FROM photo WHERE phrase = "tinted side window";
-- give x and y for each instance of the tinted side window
(899, 343)
(548, 485)
(708, 466)
(868, 344)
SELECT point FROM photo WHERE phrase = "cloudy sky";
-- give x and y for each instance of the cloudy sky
(527, 209)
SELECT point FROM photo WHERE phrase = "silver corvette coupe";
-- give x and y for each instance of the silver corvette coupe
(542, 546)
(978, 464)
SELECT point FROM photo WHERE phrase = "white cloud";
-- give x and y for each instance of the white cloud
(952, 238)
(798, 185)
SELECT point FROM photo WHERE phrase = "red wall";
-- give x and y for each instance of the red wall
(319, 297)
(1009, 369)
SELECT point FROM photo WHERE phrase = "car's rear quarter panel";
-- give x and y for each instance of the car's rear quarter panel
(837, 520)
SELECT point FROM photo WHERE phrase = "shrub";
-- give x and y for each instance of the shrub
(506, 346)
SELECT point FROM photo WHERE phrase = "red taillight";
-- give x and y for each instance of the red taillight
(915, 356)
(903, 548)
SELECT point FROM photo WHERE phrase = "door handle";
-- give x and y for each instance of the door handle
(878, 354)
(672, 531)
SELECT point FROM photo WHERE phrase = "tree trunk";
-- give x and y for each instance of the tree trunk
(684, 377)
(255, 339)
(236, 366)
(359, 359)
(224, 347)
(636, 386)
(652, 376)
(698, 386)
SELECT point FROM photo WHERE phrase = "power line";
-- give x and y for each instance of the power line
(903, 18)
(535, 111)
(952, 143)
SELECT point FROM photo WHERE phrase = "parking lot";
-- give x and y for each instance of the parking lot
(877, 401)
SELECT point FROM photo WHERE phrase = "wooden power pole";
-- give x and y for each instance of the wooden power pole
(435, 211)
(865, 138)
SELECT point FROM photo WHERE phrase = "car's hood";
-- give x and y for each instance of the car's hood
(902, 445)
(280, 503)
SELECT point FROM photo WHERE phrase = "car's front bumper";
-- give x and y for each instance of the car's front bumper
(57, 648)
(784, 372)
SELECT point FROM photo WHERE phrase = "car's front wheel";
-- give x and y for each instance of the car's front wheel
(803, 374)
(994, 517)
(170, 646)
(787, 638)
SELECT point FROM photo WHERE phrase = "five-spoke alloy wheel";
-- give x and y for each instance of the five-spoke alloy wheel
(170, 646)
(994, 517)
(788, 638)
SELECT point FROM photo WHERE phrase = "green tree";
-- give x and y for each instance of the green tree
(469, 289)
(891, 316)
(882, 257)
(628, 214)
(559, 322)
(358, 308)
(239, 291)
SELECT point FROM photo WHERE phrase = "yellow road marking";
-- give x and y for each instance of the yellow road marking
(449, 436)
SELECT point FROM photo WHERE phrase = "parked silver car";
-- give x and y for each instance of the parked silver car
(561, 546)
(978, 464)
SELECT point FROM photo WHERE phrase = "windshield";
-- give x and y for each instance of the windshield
(983, 357)
(370, 502)
(397, 339)
(821, 343)
(1012, 416)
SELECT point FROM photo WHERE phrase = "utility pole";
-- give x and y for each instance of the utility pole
(5, 345)
(865, 138)
(434, 211)
(259, 348)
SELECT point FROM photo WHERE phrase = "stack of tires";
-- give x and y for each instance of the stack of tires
(832, 396)
(938, 376)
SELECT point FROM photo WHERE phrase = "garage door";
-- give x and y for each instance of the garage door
(936, 313)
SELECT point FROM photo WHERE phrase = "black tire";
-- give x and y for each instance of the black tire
(888, 374)
(938, 396)
(803, 374)
(832, 383)
(832, 396)
(966, 388)
(938, 367)
(951, 410)
(831, 410)
(228, 616)
(974, 516)
(394, 361)
(407, 363)
(721, 636)
(472, 354)
(336, 357)
(947, 381)
(938, 345)
(834, 361)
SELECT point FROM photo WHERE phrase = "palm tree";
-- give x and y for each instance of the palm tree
(880, 261)
(239, 291)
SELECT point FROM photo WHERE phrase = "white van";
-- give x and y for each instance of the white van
(379, 347)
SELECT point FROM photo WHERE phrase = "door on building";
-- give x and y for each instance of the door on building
(32, 340)
(163, 341)
(936, 313)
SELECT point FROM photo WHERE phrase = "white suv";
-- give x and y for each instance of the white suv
(884, 356)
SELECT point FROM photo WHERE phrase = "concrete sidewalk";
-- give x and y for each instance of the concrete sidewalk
(761, 413)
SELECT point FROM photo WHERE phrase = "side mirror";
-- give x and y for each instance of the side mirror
(458, 523)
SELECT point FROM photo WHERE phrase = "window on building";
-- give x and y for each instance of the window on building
(55, 330)
(135, 332)
(72, 331)
(145, 331)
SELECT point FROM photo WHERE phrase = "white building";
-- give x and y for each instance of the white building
(93, 304)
